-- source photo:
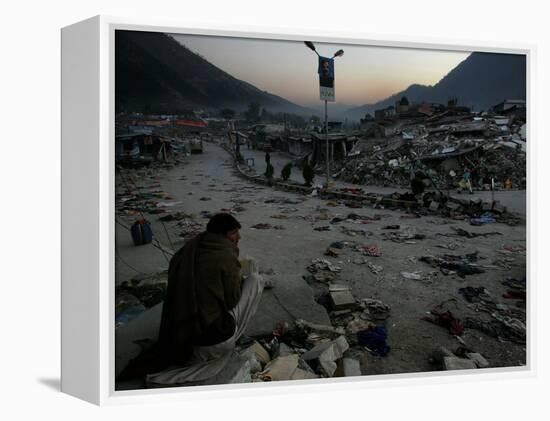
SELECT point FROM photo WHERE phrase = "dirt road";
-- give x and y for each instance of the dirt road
(301, 229)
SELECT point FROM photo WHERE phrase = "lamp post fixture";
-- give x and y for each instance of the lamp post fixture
(338, 53)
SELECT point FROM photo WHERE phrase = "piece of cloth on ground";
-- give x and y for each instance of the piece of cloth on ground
(375, 339)
(447, 320)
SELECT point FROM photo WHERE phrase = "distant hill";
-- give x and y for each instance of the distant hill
(154, 73)
(480, 81)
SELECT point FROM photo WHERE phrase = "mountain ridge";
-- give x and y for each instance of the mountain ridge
(480, 81)
(155, 73)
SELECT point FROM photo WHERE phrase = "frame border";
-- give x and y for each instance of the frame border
(105, 211)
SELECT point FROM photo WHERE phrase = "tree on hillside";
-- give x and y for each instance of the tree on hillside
(253, 112)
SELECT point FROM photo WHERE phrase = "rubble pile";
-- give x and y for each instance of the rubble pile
(440, 152)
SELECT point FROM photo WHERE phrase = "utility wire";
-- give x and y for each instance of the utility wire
(140, 194)
(162, 222)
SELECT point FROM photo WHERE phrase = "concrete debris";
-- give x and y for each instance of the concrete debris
(348, 367)
(461, 359)
(411, 275)
(325, 355)
(281, 368)
(341, 297)
(456, 363)
(302, 324)
(478, 359)
(322, 265)
(374, 310)
(404, 235)
(375, 268)
(451, 264)
(439, 152)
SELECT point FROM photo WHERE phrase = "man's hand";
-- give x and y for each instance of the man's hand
(249, 266)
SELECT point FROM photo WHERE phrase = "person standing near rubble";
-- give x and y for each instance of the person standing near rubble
(209, 302)
(466, 182)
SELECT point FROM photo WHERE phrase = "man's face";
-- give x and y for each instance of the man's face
(325, 67)
(234, 236)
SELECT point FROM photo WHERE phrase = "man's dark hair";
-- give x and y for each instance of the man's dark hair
(222, 223)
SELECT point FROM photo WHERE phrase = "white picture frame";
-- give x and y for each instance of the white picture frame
(88, 214)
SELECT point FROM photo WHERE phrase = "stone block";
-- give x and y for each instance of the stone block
(328, 367)
(300, 374)
(348, 367)
(478, 359)
(327, 351)
(281, 368)
(342, 300)
(456, 363)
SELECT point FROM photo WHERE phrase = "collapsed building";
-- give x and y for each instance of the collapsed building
(440, 146)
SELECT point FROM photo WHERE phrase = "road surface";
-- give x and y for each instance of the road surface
(300, 230)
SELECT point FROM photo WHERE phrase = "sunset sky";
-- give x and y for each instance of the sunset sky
(289, 69)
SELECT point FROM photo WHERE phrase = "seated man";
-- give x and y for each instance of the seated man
(207, 307)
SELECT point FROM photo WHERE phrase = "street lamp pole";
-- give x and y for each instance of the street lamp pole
(326, 143)
(338, 53)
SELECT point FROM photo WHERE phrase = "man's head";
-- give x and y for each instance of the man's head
(226, 225)
(325, 67)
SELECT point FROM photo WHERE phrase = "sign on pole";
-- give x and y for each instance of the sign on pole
(326, 78)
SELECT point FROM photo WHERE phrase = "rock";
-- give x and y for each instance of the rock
(281, 368)
(478, 359)
(300, 374)
(410, 275)
(456, 363)
(348, 367)
(342, 300)
(327, 353)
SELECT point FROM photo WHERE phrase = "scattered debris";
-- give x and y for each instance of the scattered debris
(448, 264)
(468, 234)
(374, 310)
(322, 265)
(446, 320)
(341, 297)
(371, 250)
